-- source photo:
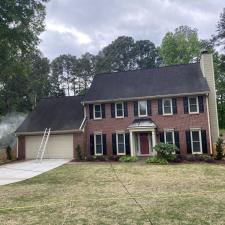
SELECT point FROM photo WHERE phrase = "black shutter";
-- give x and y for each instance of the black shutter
(104, 144)
(161, 137)
(113, 110)
(185, 100)
(188, 141)
(91, 111)
(127, 142)
(174, 103)
(103, 110)
(114, 150)
(201, 104)
(149, 107)
(92, 147)
(177, 141)
(136, 108)
(125, 109)
(204, 142)
(160, 111)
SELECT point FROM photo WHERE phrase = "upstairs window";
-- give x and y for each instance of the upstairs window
(119, 109)
(167, 106)
(193, 105)
(97, 111)
(142, 108)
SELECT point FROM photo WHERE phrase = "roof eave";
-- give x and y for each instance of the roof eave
(144, 97)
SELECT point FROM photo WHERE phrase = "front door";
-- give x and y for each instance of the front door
(144, 144)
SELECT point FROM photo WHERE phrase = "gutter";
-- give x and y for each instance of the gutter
(145, 97)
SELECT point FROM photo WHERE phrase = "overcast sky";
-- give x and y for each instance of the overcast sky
(79, 26)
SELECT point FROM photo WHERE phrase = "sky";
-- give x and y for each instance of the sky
(79, 26)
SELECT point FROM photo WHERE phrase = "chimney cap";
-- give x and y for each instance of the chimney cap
(204, 51)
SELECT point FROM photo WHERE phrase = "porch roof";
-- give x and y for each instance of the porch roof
(142, 123)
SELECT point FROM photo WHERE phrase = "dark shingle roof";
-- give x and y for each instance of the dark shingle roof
(57, 113)
(169, 80)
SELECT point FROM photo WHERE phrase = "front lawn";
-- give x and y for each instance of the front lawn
(169, 194)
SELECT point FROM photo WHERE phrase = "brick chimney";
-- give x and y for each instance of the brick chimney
(207, 68)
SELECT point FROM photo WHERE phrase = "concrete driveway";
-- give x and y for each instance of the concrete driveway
(18, 171)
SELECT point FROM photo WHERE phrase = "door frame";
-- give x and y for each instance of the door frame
(139, 145)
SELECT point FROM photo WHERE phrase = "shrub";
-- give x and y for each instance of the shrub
(9, 153)
(219, 149)
(128, 159)
(166, 151)
(79, 152)
(155, 159)
(194, 158)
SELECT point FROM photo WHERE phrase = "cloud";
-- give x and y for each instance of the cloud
(78, 26)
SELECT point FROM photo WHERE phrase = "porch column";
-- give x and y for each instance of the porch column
(132, 152)
(153, 138)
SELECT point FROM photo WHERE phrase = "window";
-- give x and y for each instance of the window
(142, 108)
(97, 111)
(119, 110)
(196, 142)
(120, 143)
(98, 144)
(193, 105)
(167, 106)
(169, 137)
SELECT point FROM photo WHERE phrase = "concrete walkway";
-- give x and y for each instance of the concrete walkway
(18, 171)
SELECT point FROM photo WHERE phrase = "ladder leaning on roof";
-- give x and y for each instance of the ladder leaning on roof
(44, 141)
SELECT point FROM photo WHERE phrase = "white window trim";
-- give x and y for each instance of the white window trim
(171, 105)
(200, 140)
(98, 133)
(116, 109)
(197, 112)
(146, 108)
(97, 118)
(173, 136)
(117, 144)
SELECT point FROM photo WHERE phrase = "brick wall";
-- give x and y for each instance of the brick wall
(179, 121)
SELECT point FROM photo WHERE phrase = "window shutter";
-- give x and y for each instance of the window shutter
(160, 111)
(92, 147)
(91, 111)
(103, 110)
(136, 108)
(188, 141)
(204, 142)
(161, 137)
(185, 100)
(201, 104)
(114, 150)
(174, 104)
(127, 143)
(177, 141)
(149, 107)
(104, 144)
(125, 109)
(113, 110)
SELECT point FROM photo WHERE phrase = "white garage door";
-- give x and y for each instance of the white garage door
(58, 146)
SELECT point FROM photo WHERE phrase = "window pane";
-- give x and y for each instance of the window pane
(97, 111)
(99, 149)
(98, 139)
(195, 136)
(192, 101)
(193, 104)
(119, 109)
(142, 107)
(193, 108)
(120, 138)
(169, 137)
(167, 110)
(121, 148)
(167, 106)
(97, 114)
(97, 107)
(196, 147)
(119, 106)
(167, 102)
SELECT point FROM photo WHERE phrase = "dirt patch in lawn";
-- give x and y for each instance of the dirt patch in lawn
(89, 193)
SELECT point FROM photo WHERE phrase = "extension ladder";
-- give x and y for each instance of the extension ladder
(44, 141)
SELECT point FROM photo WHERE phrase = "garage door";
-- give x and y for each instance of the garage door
(58, 146)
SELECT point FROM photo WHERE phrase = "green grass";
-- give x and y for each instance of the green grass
(170, 194)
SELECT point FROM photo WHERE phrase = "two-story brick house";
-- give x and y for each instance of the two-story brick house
(129, 113)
